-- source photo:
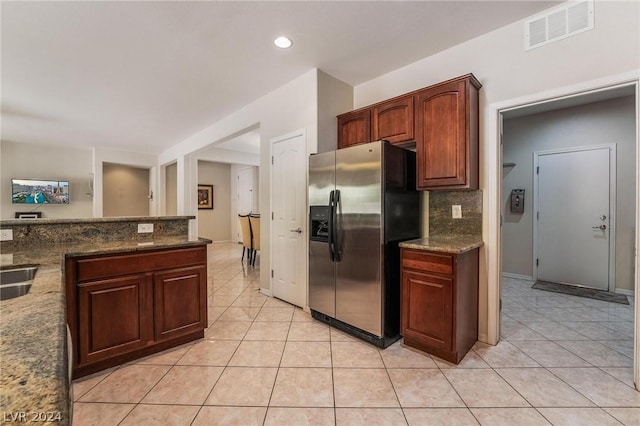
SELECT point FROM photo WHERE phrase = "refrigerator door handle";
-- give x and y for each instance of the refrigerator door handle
(337, 251)
(330, 226)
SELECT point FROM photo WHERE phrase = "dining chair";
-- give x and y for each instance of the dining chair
(245, 227)
(254, 221)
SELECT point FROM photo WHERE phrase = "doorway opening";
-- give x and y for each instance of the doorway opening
(588, 144)
(231, 165)
(125, 190)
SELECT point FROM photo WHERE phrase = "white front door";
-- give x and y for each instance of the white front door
(288, 203)
(574, 217)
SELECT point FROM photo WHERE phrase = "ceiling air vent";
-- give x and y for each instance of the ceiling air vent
(560, 22)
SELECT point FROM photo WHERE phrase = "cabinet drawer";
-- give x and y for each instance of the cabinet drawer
(427, 261)
(92, 268)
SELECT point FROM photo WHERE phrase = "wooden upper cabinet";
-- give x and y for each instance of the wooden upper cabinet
(442, 120)
(354, 128)
(447, 135)
(393, 120)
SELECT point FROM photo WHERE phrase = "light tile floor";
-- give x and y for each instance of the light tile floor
(562, 360)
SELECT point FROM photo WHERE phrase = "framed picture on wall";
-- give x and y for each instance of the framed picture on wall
(205, 196)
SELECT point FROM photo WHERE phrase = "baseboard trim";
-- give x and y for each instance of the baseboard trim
(265, 291)
(484, 338)
(517, 276)
(624, 291)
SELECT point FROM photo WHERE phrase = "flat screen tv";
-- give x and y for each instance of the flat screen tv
(39, 191)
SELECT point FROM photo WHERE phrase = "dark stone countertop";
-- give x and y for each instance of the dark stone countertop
(76, 221)
(456, 244)
(33, 351)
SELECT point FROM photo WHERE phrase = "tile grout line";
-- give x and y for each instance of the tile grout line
(550, 369)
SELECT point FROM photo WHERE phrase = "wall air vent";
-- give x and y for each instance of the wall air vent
(560, 22)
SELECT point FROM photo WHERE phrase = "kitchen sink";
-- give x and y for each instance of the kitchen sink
(16, 282)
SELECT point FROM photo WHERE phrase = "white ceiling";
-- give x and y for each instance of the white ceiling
(143, 76)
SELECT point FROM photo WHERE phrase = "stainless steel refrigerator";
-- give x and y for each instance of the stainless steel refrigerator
(362, 202)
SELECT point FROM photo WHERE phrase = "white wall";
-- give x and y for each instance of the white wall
(599, 123)
(171, 190)
(220, 155)
(215, 223)
(507, 71)
(334, 97)
(21, 160)
(291, 107)
(78, 165)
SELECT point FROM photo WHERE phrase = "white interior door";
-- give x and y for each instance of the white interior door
(245, 190)
(288, 203)
(574, 217)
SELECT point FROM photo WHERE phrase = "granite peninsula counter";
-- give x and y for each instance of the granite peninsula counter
(34, 373)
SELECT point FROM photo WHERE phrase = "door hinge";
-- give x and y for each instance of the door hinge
(272, 160)
(272, 273)
(500, 220)
(537, 262)
(538, 170)
(537, 215)
(272, 216)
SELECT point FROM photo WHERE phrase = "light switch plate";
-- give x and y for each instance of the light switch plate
(6, 234)
(456, 211)
(145, 228)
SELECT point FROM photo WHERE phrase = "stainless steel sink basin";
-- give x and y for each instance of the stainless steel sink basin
(16, 282)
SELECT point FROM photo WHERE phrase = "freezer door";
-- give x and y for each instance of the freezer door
(322, 282)
(359, 272)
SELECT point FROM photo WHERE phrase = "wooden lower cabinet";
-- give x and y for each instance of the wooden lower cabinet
(144, 303)
(178, 310)
(114, 317)
(439, 302)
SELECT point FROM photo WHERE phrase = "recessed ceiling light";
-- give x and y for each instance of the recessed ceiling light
(283, 42)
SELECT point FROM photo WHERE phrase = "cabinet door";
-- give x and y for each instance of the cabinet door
(446, 157)
(114, 317)
(427, 309)
(354, 128)
(180, 302)
(393, 121)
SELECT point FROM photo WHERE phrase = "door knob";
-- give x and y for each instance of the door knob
(601, 227)
(299, 231)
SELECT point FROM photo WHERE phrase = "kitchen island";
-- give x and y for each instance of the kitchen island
(35, 369)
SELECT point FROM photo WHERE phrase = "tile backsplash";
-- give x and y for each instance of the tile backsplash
(440, 216)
